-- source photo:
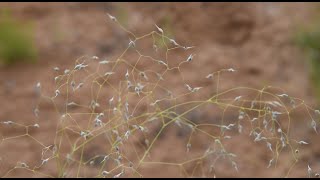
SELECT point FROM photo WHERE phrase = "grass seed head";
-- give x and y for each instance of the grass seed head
(112, 17)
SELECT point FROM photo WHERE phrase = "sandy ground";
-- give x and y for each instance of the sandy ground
(253, 38)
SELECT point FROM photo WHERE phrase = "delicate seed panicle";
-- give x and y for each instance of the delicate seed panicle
(155, 47)
(38, 85)
(211, 169)
(253, 103)
(117, 161)
(230, 126)
(234, 164)
(265, 123)
(227, 127)
(160, 77)
(283, 95)
(80, 66)
(173, 42)
(129, 84)
(153, 104)
(132, 44)
(237, 98)
(73, 84)
(130, 164)
(94, 104)
(269, 146)
(283, 141)
(232, 155)
(254, 119)
(169, 93)
(115, 132)
(240, 128)
(118, 175)
(105, 173)
(177, 122)
(63, 116)
(208, 151)
(111, 100)
(302, 142)
(143, 74)
(191, 126)
(127, 74)
(36, 112)
(241, 115)
(141, 128)
(66, 71)
(276, 104)
(57, 93)
(209, 76)
(188, 147)
(190, 57)
(72, 104)
(54, 149)
(98, 123)
(69, 158)
(82, 133)
(105, 158)
(279, 130)
(196, 89)
(138, 88)
(186, 48)
(8, 122)
(314, 125)
(292, 102)
(152, 119)
(56, 79)
(258, 137)
(126, 106)
(188, 87)
(112, 17)
(146, 142)
(309, 171)
(44, 161)
(270, 163)
(104, 62)
(100, 115)
(22, 165)
(159, 29)
(114, 110)
(119, 158)
(108, 73)
(79, 86)
(163, 63)
(127, 134)
(91, 163)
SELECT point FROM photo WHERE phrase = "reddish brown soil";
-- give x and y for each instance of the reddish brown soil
(253, 38)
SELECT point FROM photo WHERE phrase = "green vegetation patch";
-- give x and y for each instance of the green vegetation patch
(16, 41)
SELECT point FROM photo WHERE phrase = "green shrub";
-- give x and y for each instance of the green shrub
(309, 40)
(16, 41)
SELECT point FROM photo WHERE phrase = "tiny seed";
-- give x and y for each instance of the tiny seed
(91, 163)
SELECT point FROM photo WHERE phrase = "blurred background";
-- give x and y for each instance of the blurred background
(268, 43)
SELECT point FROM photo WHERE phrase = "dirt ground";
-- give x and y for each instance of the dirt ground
(253, 38)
